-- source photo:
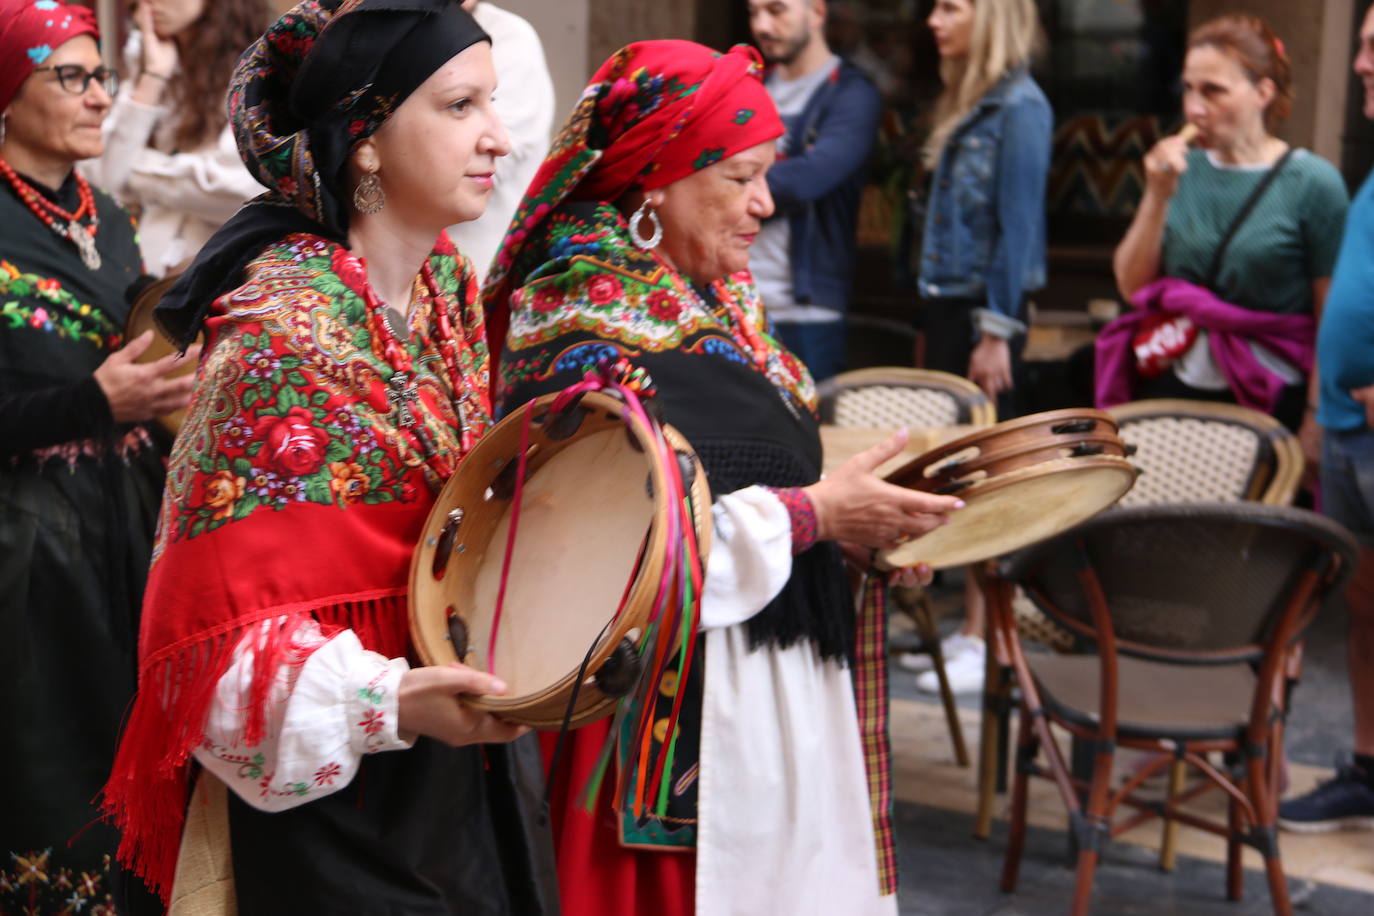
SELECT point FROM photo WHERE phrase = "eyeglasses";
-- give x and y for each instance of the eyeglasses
(77, 79)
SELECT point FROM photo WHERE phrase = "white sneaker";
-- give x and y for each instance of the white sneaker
(952, 646)
(965, 671)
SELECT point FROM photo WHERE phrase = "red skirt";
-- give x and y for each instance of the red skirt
(597, 876)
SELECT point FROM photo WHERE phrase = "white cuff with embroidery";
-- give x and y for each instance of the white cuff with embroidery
(324, 716)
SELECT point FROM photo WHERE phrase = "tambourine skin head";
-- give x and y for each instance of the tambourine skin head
(587, 526)
(1022, 481)
(141, 319)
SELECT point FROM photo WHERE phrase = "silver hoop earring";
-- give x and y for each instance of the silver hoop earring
(368, 196)
(637, 219)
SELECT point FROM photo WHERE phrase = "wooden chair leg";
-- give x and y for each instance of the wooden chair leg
(997, 689)
(1235, 876)
(1265, 803)
(924, 616)
(1083, 886)
(1168, 845)
(996, 685)
(1016, 834)
(1095, 824)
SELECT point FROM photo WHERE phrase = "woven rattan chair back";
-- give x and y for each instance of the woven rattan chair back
(1202, 581)
(1200, 451)
(892, 396)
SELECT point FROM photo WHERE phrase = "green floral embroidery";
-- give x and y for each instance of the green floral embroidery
(62, 315)
(373, 695)
(708, 157)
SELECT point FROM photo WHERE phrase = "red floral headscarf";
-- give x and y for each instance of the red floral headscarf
(656, 111)
(30, 30)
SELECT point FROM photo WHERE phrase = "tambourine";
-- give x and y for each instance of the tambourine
(591, 538)
(141, 319)
(1022, 481)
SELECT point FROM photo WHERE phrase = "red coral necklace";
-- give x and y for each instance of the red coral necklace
(67, 225)
(401, 388)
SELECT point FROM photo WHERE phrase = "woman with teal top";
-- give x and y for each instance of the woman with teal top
(1238, 235)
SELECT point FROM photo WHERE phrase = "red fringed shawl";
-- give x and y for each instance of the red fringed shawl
(295, 492)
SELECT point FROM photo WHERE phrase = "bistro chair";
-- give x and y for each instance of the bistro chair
(1192, 613)
(896, 396)
(1188, 451)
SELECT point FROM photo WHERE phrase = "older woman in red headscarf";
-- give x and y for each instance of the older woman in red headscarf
(80, 472)
(632, 244)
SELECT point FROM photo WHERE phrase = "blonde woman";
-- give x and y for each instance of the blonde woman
(983, 248)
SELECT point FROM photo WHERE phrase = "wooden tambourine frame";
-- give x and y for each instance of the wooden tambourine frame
(594, 516)
(1022, 481)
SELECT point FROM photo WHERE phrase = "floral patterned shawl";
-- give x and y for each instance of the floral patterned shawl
(293, 494)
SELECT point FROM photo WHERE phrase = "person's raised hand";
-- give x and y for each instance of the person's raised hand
(140, 391)
(430, 703)
(159, 54)
(854, 504)
(1164, 163)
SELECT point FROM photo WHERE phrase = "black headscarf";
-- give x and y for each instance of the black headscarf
(317, 83)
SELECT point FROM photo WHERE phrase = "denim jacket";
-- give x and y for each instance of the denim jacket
(818, 180)
(985, 220)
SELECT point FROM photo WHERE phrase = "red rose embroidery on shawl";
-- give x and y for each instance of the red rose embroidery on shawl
(547, 298)
(664, 306)
(292, 444)
(603, 289)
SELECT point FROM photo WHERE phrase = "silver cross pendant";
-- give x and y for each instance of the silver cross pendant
(403, 392)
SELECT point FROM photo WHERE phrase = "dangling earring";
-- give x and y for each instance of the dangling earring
(2, 129)
(368, 196)
(637, 237)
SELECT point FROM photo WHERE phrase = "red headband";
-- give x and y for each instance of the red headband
(30, 30)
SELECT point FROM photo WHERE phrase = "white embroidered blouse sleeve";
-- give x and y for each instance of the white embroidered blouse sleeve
(750, 559)
(325, 715)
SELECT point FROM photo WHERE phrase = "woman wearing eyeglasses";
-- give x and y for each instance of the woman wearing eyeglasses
(169, 154)
(80, 475)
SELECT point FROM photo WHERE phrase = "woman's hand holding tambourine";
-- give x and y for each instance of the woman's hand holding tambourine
(430, 703)
(138, 392)
(853, 504)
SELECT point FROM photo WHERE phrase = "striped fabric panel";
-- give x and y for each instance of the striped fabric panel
(870, 696)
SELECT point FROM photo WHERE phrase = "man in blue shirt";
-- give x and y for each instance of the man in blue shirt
(1345, 365)
(803, 259)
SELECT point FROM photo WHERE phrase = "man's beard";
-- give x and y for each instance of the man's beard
(793, 48)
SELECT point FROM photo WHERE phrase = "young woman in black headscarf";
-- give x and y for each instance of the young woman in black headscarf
(345, 376)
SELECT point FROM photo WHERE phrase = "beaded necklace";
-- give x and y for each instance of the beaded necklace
(402, 390)
(49, 213)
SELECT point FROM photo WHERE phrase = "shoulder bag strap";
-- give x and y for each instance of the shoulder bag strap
(1243, 215)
